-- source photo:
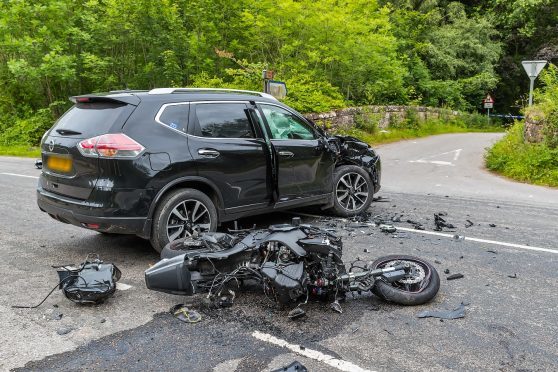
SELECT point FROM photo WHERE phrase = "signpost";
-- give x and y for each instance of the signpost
(277, 89)
(488, 103)
(533, 69)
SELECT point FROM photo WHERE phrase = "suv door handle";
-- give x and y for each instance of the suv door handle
(286, 154)
(208, 153)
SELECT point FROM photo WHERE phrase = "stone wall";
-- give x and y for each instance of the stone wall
(384, 115)
(534, 123)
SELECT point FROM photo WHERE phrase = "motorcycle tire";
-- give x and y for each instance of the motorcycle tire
(403, 293)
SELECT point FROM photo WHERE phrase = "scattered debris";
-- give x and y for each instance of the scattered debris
(458, 237)
(514, 276)
(446, 271)
(374, 308)
(491, 251)
(437, 262)
(184, 314)
(103, 320)
(354, 330)
(416, 225)
(335, 306)
(492, 225)
(380, 199)
(388, 228)
(296, 313)
(469, 223)
(455, 276)
(396, 218)
(57, 316)
(89, 283)
(441, 223)
(39, 164)
(366, 250)
(457, 313)
(64, 330)
(123, 286)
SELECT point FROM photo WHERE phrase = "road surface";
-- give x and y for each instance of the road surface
(509, 259)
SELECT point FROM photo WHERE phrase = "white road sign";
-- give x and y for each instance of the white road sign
(533, 68)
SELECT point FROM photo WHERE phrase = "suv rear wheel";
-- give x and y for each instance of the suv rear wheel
(353, 190)
(180, 213)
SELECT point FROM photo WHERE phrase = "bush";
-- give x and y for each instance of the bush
(534, 163)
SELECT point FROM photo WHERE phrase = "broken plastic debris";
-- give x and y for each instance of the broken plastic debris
(39, 164)
(469, 223)
(335, 306)
(293, 367)
(184, 314)
(441, 223)
(457, 313)
(446, 271)
(514, 276)
(458, 237)
(455, 276)
(388, 228)
(296, 313)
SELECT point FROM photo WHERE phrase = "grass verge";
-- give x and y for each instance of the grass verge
(526, 162)
(20, 150)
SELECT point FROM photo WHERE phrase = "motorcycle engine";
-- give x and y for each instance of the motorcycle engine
(287, 279)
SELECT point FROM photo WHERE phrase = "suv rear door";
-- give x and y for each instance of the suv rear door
(305, 166)
(228, 150)
(65, 170)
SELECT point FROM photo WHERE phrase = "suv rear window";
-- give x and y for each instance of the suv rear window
(91, 119)
(222, 120)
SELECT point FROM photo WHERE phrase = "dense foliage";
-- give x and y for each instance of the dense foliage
(331, 53)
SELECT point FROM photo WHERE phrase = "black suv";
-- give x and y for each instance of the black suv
(165, 162)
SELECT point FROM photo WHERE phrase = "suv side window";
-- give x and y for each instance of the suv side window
(285, 125)
(222, 120)
(174, 116)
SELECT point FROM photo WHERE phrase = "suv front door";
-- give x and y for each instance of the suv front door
(228, 152)
(305, 166)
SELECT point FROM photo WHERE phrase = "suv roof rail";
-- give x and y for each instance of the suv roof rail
(194, 90)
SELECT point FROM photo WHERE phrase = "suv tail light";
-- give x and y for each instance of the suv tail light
(117, 145)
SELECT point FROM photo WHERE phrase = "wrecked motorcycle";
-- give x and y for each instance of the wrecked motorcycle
(292, 262)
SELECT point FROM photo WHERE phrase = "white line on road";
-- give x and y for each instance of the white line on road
(309, 353)
(513, 245)
(18, 175)
(456, 154)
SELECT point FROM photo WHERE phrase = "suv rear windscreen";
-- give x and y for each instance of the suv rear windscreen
(86, 120)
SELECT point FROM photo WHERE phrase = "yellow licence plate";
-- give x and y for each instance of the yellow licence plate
(59, 164)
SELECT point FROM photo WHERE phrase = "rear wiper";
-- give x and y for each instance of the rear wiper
(67, 132)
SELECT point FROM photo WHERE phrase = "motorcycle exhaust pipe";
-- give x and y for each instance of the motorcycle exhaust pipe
(170, 276)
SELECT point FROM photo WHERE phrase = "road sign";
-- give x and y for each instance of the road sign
(488, 102)
(277, 89)
(533, 69)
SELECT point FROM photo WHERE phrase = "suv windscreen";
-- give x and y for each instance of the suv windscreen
(87, 120)
(222, 120)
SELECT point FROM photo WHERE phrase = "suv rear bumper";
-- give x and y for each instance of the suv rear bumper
(84, 213)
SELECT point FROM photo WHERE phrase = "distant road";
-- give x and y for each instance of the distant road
(453, 164)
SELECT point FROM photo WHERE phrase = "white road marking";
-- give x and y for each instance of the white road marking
(340, 364)
(455, 153)
(505, 244)
(18, 175)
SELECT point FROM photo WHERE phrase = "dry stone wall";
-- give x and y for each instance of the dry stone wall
(346, 118)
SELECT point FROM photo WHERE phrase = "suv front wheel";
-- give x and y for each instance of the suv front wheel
(180, 213)
(353, 190)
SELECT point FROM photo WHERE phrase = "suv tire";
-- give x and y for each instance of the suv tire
(178, 213)
(353, 191)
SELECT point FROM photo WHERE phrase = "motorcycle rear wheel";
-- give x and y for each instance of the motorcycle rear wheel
(416, 289)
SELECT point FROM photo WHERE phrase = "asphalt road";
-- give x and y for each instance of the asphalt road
(510, 280)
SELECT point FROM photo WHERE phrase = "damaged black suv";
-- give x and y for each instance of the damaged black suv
(165, 162)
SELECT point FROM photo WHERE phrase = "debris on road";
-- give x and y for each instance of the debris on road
(39, 164)
(514, 276)
(457, 313)
(492, 224)
(416, 225)
(296, 313)
(455, 276)
(91, 282)
(64, 330)
(446, 271)
(458, 237)
(293, 367)
(389, 229)
(469, 223)
(441, 223)
(184, 314)
(491, 251)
